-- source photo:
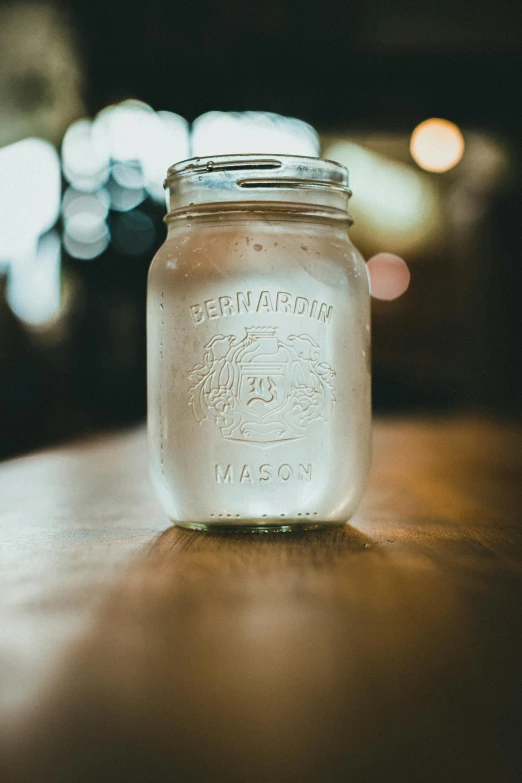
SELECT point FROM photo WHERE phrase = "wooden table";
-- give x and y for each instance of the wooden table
(389, 650)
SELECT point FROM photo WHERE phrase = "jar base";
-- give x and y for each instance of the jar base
(287, 527)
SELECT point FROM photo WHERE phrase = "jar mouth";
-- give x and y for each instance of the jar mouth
(261, 177)
(296, 167)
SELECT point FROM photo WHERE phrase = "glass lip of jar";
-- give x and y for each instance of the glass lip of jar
(263, 177)
(333, 173)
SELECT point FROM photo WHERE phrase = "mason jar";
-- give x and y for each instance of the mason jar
(258, 347)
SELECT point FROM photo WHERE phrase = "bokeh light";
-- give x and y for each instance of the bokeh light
(170, 144)
(133, 233)
(128, 174)
(112, 164)
(389, 276)
(393, 204)
(85, 226)
(88, 239)
(34, 283)
(116, 161)
(30, 187)
(142, 144)
(437, 145)
(85, 156)
(75, 201)
(228, 133)
(127, 128)
(124, 199)
(86, 234)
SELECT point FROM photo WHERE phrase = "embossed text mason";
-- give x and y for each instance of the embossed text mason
(258, 347)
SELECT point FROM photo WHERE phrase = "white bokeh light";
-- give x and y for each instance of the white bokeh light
(86, 234)
(30, 186)
(124, 199)
(75, 201)
(229, 133)
(142, 144)
(85, 156)
(86, 227)
(34, 283)
(128, 174)
(171, 144)
(86, 250)
(127, 128)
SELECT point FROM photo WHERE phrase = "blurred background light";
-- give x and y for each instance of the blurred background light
(394, 205)
(124, 199)
(85, 156)
(86, 234)
(487, 162)
(128, 128)
(169, 145)
(133, 233)
(128, 174)
(34, 283)
(30, 189)
(86, 227)
(228, 133)
(142, 144)
(437, 145)
(75, 202)
(87, 241)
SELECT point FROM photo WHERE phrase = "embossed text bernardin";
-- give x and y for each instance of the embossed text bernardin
(264, 302)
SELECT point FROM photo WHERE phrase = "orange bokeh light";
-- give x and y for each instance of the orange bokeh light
(437, 145)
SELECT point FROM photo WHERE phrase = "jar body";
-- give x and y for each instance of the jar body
(258, 372)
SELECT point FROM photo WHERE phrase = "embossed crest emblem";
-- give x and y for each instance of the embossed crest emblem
(261, 389)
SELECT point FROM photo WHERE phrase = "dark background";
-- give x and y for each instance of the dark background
(352, 71)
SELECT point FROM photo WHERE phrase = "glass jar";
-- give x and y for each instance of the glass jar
(258, 347)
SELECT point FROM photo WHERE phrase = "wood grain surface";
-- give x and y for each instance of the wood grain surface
(389, 650)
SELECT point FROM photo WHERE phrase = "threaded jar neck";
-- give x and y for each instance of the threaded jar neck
(237, 183)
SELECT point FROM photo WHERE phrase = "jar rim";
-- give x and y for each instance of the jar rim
(263, 177)
(318, 169)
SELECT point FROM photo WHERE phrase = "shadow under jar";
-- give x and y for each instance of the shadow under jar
(259, 408)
